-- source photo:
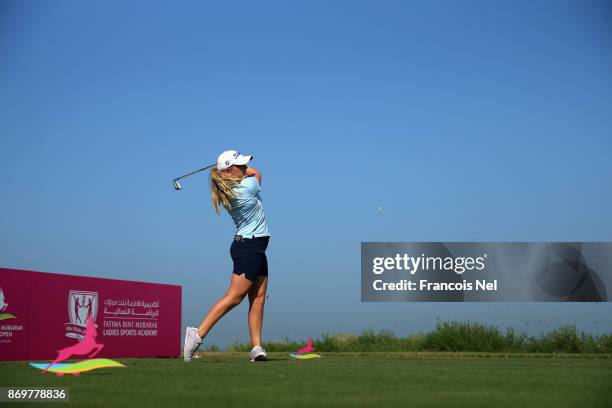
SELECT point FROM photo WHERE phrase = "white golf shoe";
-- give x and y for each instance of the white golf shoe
(192, 342)
(258, 354)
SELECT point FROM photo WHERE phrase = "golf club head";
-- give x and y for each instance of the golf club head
(177, 185)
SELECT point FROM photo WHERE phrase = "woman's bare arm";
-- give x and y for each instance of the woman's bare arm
(253, 172)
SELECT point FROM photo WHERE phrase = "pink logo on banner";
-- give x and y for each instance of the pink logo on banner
(81, 305)
(3, 306)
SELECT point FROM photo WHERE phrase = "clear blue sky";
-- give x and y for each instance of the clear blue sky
(464, 120)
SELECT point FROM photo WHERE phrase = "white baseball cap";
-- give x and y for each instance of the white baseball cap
(230, 158)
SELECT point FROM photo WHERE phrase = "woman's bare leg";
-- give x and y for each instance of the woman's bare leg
(257, 299)
(238, 289)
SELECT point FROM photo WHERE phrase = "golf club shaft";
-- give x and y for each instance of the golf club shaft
(194, 172)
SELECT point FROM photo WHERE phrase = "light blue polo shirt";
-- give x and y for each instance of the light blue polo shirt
(247, 209)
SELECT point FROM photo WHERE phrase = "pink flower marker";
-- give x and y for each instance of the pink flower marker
(307, 349)
(85, 346)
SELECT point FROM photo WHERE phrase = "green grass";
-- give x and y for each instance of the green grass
(452, 336)
(339, 379)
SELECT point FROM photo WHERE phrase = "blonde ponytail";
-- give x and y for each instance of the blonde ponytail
(222, 189)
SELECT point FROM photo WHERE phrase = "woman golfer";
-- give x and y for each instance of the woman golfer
(236, 187)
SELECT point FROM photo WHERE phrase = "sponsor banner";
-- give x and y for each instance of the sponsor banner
(15, 311)
(486, 272)
(43, 312)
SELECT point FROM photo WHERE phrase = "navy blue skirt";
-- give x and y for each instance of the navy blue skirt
(249, 256)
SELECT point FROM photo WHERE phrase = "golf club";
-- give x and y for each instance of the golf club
(177, 185)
